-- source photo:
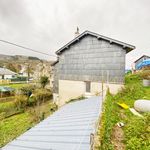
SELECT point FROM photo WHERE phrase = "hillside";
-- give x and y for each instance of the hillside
(20, 63)
(134, 135)
(17, 58)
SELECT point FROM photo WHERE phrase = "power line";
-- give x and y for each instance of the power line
(30, 49)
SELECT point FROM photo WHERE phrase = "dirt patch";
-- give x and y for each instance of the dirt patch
(117, 138)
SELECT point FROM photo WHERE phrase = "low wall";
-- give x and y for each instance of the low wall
(70, 89)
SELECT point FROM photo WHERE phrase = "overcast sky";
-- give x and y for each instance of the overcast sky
(46, 25)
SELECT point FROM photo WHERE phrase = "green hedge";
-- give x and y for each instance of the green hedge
(19, 79)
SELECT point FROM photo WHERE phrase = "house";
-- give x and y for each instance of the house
(6, 73)
(85, 63)
(139, 61)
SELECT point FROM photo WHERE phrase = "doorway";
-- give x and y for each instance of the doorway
(88, 86)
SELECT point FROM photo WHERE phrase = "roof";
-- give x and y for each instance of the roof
(4, 71)
(69, 128)
(144, 63)
(126, 46)
(141, 57)
(6, 89)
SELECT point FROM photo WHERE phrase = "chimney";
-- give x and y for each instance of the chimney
(77, 32)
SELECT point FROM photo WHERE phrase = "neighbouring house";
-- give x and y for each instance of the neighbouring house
(7, 74)
(138, 63)
(85, 63)
(23, 72)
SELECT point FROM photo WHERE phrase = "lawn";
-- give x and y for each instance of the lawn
(15, 85)
(13, 126)
(135, 133)
(17, 124)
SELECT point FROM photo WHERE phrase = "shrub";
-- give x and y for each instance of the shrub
(132, 78)
(145, 74)
(27, 90)
(19, 79)
(53, 107)
(41, 95)
(32, 101)
(20, 102)
(44, 81)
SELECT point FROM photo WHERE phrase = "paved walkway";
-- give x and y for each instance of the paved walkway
(69, 128)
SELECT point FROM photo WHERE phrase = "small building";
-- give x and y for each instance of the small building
(7, 74)
(139, 61)
(86, 62)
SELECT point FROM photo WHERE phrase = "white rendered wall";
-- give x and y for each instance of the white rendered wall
(73, 89)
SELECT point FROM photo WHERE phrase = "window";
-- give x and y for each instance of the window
(88, 86)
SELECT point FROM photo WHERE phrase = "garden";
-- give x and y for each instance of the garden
(28, 106)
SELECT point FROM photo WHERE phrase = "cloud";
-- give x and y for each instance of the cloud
(47, 25)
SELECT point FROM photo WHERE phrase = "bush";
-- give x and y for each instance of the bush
(19, 79)
(27, 90)
(20, 102)
(44, 81)
(145, 74)
(39, 96)
(32, 101)
(132, 78)
(53, 107)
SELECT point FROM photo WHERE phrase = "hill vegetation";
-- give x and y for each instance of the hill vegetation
(135, 133)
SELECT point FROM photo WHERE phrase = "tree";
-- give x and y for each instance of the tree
(11, 67)
(44, 81)
(29, 70)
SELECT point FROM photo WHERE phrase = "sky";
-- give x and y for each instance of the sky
(46, 25)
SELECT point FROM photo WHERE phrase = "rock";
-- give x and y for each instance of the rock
(142, 105)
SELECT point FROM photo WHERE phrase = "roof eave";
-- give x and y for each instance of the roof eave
(126, 46)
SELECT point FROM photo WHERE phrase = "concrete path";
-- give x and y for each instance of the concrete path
(69, 128)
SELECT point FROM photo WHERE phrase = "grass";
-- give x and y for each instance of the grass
(136, 130)
(15, 85)
(13, 126)
(7, 109)
(76, 99)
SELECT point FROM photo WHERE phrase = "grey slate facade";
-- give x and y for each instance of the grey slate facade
(91, 59)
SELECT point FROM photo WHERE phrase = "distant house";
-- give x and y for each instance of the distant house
(139, 61)
(87, 61)
(6, 73)
(23, 72)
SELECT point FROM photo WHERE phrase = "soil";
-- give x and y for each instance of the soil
(117, 138)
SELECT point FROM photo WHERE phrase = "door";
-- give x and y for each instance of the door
(88, 86)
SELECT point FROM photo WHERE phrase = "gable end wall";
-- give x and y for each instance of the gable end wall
(91, 59)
